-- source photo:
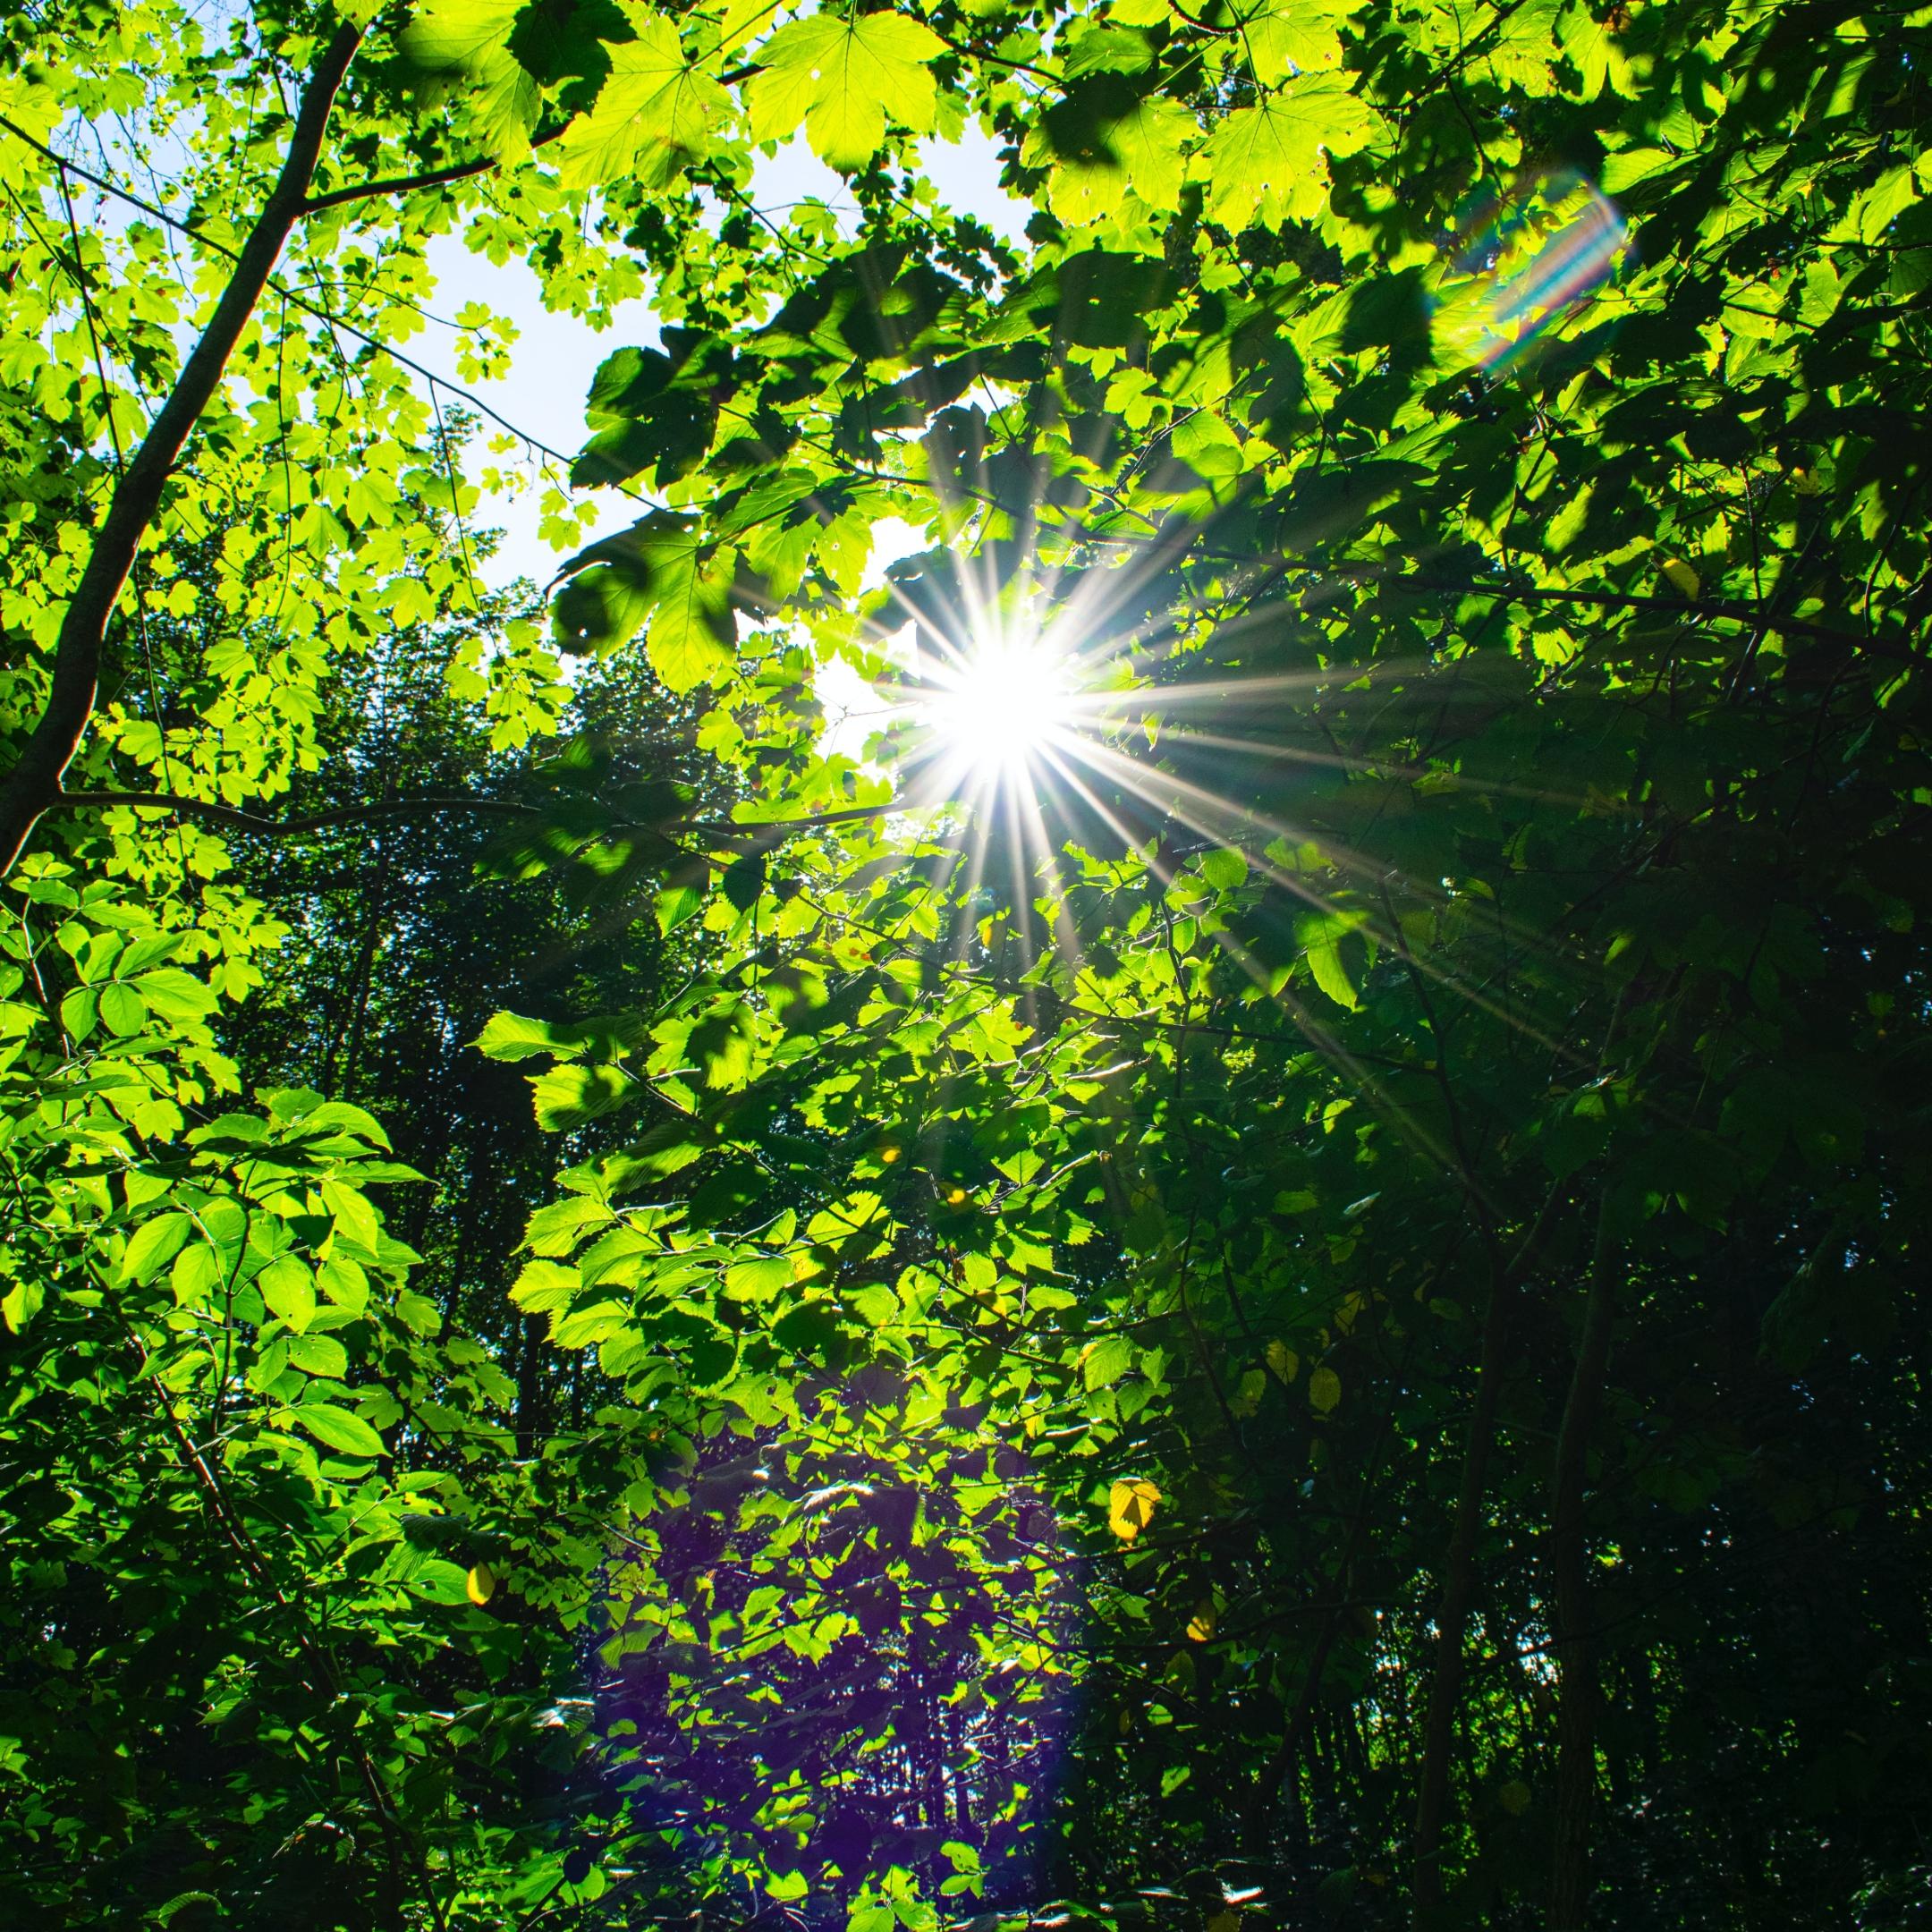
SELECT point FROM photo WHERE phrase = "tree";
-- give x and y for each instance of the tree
(1386, 1141)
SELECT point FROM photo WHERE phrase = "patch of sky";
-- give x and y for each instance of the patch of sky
(965, 171)
(541, 388)
(967, 174)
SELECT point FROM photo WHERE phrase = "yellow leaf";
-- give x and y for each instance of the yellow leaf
(1682, 577)
(1201, 1624)
(1324, 1389)
(481, 1583)
(1131, 1507)
(1284, 1360)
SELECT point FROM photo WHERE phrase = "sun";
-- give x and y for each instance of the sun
(992, 709)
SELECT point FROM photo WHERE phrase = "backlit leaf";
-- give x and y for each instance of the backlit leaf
(842, 77)
(1130, 1504)
(153, 1244)
(655, 114)
(335, 1428)
(288, 1287)
(1268, 163)
(568, 1096)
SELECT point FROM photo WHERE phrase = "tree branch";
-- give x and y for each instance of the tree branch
(400, 185)
(34, 785)
(1572, 1643)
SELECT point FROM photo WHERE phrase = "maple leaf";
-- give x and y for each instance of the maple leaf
(654, 114)
(660, 573)
(837, 77)
(1283, 41)
(1147, 158)
(1270, 161)
(472, 37)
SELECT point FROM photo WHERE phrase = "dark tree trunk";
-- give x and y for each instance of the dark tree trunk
(1575, 1643)
(1452, 1616)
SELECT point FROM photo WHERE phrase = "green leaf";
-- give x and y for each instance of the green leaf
(1320, 936)
(355, 1217)
(543, 1287)
(344, 1282)
(1107, 1361)
(458, 34)
(418, 1312)
(759, 1279)
(840, 77)
(1285, 41)
(153, 1244)
(78, 1012)
(659, 573)
(472, 37)
(1105, 139)
(22, 1301)
(1226, 869)
(674, 904)
(288, 1287)
(585, 1326)
(653, 115)
(122, 1010)
(319, 1355)
(508, 1036)
(436, 1580)
(1269, 161)
(1592, 46)
(569, 1097)
(176, 994)
(560, 1225)
(337, 1428)
(343, 1117)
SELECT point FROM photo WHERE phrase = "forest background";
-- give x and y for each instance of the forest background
(1257, 1269)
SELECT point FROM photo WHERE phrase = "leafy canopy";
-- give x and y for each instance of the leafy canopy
(1236, 1326)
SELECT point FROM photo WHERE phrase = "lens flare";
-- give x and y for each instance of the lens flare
(1529, 263)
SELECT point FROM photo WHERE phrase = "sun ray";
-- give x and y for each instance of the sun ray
(1210, 814)
(1011, 686)
(1312, 1029)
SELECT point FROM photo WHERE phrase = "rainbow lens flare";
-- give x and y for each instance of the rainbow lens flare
(1529, 263)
